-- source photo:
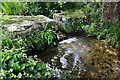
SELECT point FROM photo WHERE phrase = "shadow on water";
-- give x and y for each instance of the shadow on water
(83, 57)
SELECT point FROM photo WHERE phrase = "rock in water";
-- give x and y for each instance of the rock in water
(67, 41)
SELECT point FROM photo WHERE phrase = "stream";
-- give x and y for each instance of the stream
(83, 57)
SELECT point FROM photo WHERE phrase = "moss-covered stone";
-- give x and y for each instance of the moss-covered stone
(23, 25)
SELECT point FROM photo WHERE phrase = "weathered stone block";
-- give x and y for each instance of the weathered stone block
(27, 25)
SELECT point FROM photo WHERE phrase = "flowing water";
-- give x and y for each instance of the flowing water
(83, 57)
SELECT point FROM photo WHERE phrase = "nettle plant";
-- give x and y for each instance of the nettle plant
(15, 64)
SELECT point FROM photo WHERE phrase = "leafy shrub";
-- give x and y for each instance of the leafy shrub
(108, 31)
(14, 43)
(95, 28)
(113, 36)
(9, 41)
(15, 64)
(92, 11)
(39, 40)
(44, 8)
(71, 25)
(47, 8)
(30, 8)
(36, 8)
(86, 15)
(14, 61)
(3, 35)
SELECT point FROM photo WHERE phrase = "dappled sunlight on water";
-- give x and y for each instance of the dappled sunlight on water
(84, 57)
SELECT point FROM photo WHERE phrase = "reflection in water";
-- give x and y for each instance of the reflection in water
(83, 57)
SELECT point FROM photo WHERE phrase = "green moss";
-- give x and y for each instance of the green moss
(5, 19)
(8, 20)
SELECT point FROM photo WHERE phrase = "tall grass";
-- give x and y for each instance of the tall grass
(12, 7)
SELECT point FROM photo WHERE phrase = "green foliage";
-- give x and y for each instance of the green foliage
(38, 40)
(113, 36)
(94, 25)
(72, 25)
(46, 37)
(92, 11)
(86, 10)
(74, 13)
(95, 28)
(3, 36)
(108, 31)
(14, 43)
(9, 41)
(87, 16)
(30, 8)
(70, 5)
(15, 64)
(12, 7)
(37, 8)
(5, 19)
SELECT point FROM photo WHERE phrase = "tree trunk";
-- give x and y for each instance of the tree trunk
(110, 12)
(119, 10)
